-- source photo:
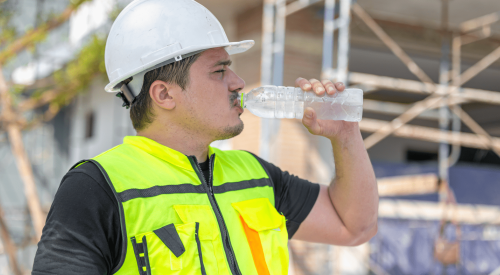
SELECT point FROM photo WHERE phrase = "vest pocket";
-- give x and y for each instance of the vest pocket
(211, 248)
(172, 249)
(265, 230)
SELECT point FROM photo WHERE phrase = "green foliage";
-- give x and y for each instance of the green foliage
(76, 3)
(79, 73)
(17, 89)
(37, 37)
(73, 78)
(7, 32)
(115, 12)
(34, 36)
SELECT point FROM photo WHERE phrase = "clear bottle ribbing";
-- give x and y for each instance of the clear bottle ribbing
(290, 102)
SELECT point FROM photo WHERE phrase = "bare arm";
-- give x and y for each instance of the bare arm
(345, 212)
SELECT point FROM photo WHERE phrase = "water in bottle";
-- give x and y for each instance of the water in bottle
(290, 102)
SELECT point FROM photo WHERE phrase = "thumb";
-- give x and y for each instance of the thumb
(310, 121)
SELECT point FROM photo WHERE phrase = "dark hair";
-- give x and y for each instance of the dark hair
(141, 111)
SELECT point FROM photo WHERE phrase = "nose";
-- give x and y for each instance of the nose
(236, 83)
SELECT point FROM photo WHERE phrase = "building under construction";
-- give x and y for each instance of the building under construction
(430, 73)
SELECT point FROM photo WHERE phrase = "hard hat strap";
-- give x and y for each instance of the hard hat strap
(126, 95)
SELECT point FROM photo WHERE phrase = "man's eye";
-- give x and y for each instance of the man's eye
(220, 71)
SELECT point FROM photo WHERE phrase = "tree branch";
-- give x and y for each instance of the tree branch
(9, 245)
(22, 161)
(38, 34)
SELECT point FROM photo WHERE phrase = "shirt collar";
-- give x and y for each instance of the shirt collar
(161, 151)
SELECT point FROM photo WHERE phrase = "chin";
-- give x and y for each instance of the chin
(231, 131)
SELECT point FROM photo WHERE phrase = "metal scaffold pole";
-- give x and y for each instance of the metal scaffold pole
(444, 116)
(266, 71)
(343, 49)
(455, 81)
(279, 43)
(326, 73)
(278, 64)
(328, 38)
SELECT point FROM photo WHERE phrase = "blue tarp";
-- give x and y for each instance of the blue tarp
(471, 184)
(406, 246)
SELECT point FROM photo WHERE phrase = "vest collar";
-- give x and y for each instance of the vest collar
(161, 151)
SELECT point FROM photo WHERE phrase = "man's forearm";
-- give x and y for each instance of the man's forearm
(345, 213)
(354, 192)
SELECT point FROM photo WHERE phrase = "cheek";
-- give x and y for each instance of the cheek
(218, 111)
(206, 106)
(217, 106)
(209, 99)
(216, 98)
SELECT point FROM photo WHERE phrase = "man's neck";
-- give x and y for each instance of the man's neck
(178, 139)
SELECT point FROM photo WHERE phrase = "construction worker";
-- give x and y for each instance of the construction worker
(164, 201)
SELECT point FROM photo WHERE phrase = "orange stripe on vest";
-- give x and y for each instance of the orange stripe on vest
(256, 248)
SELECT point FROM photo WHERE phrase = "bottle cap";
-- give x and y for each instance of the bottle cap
(241, 98)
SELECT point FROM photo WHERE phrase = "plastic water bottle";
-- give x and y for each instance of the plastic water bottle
(290, 102)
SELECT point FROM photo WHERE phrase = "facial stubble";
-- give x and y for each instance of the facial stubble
(232, 131)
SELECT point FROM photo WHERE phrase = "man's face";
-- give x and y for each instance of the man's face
(210, 100)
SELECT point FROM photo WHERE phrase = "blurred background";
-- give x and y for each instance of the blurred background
(430, 71)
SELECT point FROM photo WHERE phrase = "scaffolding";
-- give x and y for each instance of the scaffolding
(446, 96)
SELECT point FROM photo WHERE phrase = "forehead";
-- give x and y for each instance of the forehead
(211, 56)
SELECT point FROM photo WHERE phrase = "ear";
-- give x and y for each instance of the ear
(163, 94)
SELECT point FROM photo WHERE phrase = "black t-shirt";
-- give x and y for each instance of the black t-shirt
(82, 233)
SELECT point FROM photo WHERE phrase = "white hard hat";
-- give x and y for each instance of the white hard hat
(152, 33)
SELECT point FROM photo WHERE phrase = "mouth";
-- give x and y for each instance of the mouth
(237, 106)
(233, 100)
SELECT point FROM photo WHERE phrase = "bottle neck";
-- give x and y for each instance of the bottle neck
(241, 98)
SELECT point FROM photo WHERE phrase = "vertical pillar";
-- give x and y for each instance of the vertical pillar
(455, 80)
(328, 39)
(278, 67)
(343, 50)
(326, 73)
(266, 71)
(267, 43)
(444, 69)
(279, 43)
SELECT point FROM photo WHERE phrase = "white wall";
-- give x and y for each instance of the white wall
(111, 123)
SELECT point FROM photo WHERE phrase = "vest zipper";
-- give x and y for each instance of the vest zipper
(222, 225)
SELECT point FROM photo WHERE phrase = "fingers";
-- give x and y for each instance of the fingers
(307, 85)
(310, 121)
(333, 88)
(303, 83)
(330, 88)
(340, 86)
(319, 87)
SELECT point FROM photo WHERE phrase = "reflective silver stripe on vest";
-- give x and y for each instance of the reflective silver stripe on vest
(130, 194)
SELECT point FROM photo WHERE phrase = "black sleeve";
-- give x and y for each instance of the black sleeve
(82, 232)
(294, 197)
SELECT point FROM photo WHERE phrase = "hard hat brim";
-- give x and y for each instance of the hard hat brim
(231, 48)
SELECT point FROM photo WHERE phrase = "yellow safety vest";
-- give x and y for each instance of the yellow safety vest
(174, 222)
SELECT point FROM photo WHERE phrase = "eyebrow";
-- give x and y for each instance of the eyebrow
(223, 63)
